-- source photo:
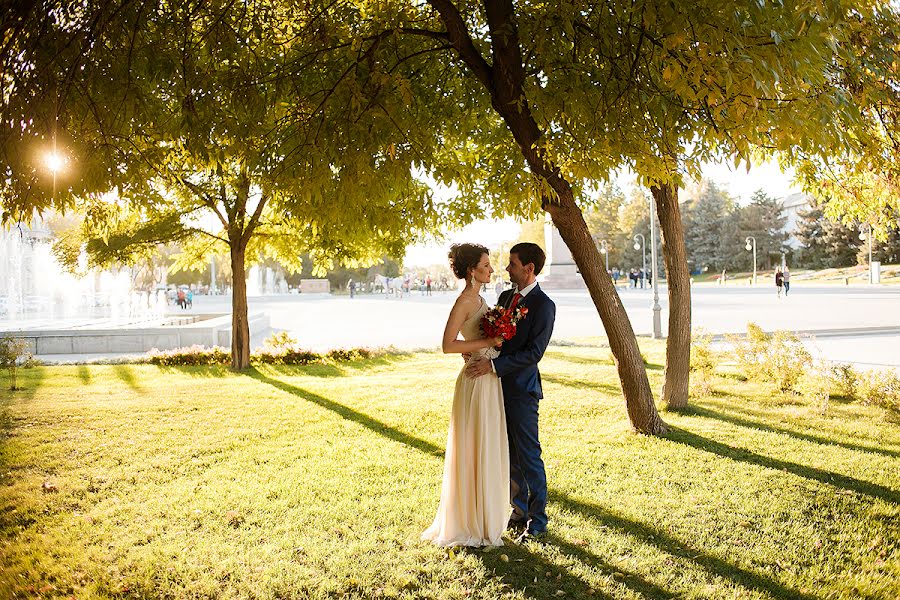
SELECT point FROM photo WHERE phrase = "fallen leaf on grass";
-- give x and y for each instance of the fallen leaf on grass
(234, 518)
(49, 487)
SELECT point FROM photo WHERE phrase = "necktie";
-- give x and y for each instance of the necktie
(515, 301)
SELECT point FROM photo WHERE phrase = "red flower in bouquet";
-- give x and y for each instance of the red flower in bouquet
(501, 322)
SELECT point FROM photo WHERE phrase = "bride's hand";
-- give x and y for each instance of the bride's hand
(498, 341)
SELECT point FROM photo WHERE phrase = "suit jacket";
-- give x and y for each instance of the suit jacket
(517, 365)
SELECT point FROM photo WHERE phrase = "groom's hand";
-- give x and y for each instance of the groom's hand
(479, 367)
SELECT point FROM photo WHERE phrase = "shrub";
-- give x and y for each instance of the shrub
(816, 386)
(844, 380)
(778, 358)
(880, 388)
(189, 357)
(703, 364)
(14, 354)
(278, 350)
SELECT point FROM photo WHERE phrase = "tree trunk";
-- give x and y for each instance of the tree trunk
(630, 365)
(678, 344)
(504, 79)
(240, 327)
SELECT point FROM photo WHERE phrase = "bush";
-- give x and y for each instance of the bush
(278, 350)
(703, 364)
(844, 381)
(14, 354)
(190, 357)
(816, 387)
(778, 358)
(880, 388)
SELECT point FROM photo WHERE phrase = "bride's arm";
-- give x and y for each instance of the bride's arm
(461, 311)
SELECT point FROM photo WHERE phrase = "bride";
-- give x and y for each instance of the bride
(474, 505)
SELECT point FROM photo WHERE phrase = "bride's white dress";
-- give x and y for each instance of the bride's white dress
(474, 506)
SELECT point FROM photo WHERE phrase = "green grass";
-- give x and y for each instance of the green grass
(317, 481)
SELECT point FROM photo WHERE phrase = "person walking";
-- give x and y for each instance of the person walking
(779, 280)
(786, 277)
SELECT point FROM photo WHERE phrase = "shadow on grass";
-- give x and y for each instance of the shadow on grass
(576, 587)
(606, 388)
(352, 415)
(669, 544)
(29, 382)
(597, 361)
(126, 374)
(749, 424)
(846, 482)
(84, 374)
(527, 564)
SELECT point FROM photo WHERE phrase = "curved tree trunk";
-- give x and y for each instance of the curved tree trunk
(240, 327)
(504, 78)
(678, 343)
(630, 365)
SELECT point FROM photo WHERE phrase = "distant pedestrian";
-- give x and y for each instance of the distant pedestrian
(428, 284)
(786, 276)
(779, 280)
(498, 287)
(351, 285)
(190, 298)
(641, 278)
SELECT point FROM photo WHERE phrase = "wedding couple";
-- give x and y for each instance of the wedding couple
(493, 456)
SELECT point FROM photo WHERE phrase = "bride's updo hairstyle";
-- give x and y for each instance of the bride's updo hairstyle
(464, 257)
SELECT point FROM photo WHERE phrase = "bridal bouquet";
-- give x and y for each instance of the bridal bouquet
(501, 322)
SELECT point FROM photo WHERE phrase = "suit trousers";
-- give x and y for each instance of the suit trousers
(526, 467)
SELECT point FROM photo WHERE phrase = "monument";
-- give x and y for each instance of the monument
(560, 270)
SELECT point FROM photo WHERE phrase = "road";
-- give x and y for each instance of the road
(858, 324)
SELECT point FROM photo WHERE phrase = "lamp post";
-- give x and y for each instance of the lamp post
(862, 236)
(642, 245)
(657, 309)
(604, 253)
(748, 247)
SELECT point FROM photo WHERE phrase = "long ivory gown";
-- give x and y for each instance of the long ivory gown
(474, 506)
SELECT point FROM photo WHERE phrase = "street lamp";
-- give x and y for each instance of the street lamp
(748, 247)
(642, 246)
(862, 236)
(604, 253)
(654, 264)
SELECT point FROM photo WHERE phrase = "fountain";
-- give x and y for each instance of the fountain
(101, 312)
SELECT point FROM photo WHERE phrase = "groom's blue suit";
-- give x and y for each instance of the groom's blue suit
(517, 367)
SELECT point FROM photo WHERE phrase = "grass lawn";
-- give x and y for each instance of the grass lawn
(137, 481)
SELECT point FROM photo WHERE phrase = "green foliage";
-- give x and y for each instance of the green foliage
(844, 380)
(826, 243)
(704, 361)
(14, 353)
(880, 387)
(279, 350)
(779, 358)
(815, 386)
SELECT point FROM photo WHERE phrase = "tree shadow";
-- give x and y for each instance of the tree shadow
(606, 388)
(581, 360)
(527, 564)
(352, 415)
(30, 380)
(126, 374)
(873, 490)
(84, 374)
(667, 543)
(703, 411)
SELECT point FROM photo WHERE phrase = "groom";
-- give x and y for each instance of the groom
(517, 368)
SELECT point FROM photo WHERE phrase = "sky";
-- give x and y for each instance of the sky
(492, 232)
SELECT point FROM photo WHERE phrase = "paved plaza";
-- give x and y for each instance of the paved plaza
(858, 324)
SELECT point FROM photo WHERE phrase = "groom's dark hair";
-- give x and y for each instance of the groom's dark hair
(529, 252)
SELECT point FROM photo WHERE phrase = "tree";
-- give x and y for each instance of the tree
(826, 243)
(262, 116)
(764, 219)
(602, 218)
(709, 224)
(859, 179)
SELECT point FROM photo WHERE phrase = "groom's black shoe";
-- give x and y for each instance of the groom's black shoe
(532, 536)
(516, 525)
